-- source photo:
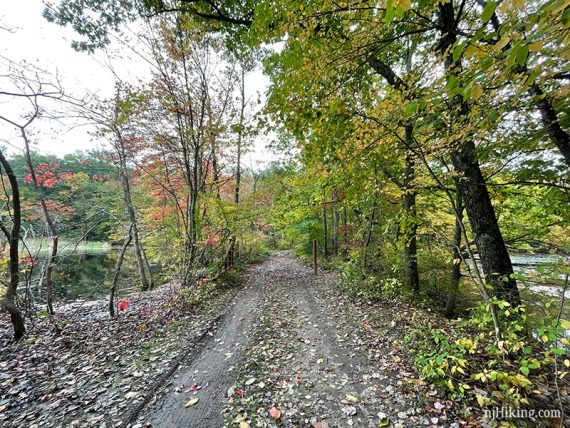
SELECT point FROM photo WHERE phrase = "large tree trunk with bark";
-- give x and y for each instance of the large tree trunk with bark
(13, 236)
(495, 258)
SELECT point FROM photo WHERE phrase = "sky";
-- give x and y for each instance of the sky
(48, 46)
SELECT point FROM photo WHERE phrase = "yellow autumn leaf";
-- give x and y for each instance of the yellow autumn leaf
(502, 43)
(476, 92)
(562, 6)
(192, 402)
(518, 3)
(352, 398)
(405, 4)
(535, 47)
(481, 400)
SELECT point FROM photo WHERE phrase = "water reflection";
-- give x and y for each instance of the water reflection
(84, 275)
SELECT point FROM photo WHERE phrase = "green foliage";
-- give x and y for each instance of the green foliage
(467, 361)
(386, 285)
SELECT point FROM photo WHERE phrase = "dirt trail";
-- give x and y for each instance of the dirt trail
(310, 357)
(210, 365)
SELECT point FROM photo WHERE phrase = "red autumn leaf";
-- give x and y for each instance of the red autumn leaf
(240, 391)
(122, 305)
(275, 412)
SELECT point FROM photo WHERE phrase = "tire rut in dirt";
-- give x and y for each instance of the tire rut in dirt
(209, 367)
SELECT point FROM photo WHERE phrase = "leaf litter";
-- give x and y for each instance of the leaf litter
(98, 369)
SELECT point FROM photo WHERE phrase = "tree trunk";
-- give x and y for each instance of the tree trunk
(495, 258)
(325, 234)
(368, 239)
(411, 223)
(345, 232)
(554, 130)
(148, 269)
(240, 136)
(13, 236)
(49, 271)
(118, 267)
(335, 219)
(123, 170)
(49, 223)
(457, 259)
(548, 115)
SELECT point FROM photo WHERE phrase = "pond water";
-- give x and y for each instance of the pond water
(524, 260)
(84, 275)
(538, 274)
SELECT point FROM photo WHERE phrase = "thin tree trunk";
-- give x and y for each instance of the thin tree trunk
(456, 266)
(49, 223)
(240, 136)
(325, 234)
(123, 170)
(543, 104)
(345, 232)
(335, 220)
(49, 271)
(118, 267)
(13, 236)
(550, 121)
(411, 223)
(233, 241)
(133, 220)
(368, 236)
(148, 269)
(253, 201)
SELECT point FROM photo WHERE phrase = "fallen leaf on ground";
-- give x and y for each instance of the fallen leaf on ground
(352, 398)
(192, 402)
(195, 387)
(275, 412)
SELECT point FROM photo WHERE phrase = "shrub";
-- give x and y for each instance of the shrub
(469, 361)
